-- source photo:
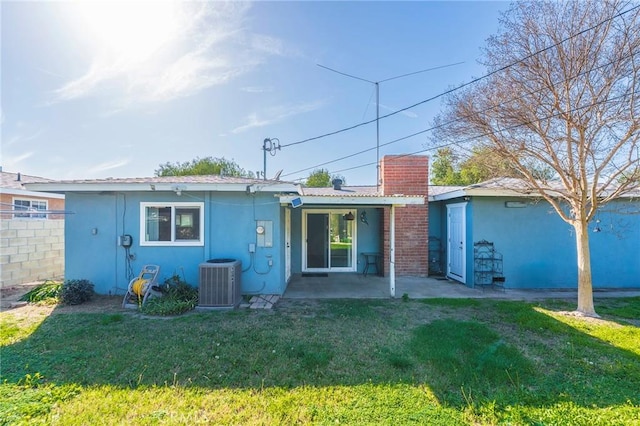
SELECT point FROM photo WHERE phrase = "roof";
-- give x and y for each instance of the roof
(17, 180)
(351, 195)
(499, 187)
(167, 183)
(442, 189)
(15, 183)
(351, 191)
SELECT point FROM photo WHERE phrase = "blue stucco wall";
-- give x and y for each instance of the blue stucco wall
(539, 248)
(230, 226)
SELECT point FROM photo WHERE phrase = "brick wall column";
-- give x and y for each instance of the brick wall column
(407, 175)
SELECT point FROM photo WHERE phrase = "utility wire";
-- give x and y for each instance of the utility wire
(455, 120)
(458, 87)
(472, 138)
(390, 78)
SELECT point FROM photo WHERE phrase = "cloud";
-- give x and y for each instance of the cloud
(109, 165)
(207, 45)
(276, 114)
(22, 138)
(11, 163)
(406, 113)
(257, 89)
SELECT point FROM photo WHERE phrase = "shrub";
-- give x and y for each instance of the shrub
(75, 292)
(47, 292)
(178, 297)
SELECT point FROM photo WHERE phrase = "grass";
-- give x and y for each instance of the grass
(335, 361)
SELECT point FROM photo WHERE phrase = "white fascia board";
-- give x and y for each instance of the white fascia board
(482, 192)
(329, 200)
(448, 195)
(151, 186)
(26, 193)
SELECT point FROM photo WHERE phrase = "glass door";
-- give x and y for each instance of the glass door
(330, 241)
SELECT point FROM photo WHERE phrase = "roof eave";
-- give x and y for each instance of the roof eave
(27, 193)
(168, 187)
(360, 200)
(487, 192)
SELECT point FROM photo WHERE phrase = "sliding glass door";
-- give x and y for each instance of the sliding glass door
(329, 241)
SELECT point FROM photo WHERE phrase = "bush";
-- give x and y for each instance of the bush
(178, 297)
(75, 292)
(47, 292)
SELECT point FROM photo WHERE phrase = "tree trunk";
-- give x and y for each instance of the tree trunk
(585, 282)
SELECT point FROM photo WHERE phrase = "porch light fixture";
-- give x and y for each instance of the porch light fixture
(363, 217)
(178, 189)
(515, 204)
(349, 216)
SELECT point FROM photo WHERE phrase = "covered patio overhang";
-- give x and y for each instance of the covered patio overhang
(381, 201)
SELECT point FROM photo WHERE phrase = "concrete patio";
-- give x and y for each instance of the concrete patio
(357, 286)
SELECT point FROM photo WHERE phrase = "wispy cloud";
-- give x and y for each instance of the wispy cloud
(109, 165)
(405, 113)
(13, 162)
(276, 114)
(207, 46)
(21, 137)
(257, 89)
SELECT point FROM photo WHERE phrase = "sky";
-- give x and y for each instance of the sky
(115, 89)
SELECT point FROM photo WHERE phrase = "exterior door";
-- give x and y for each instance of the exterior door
(317, 241)
(329, 241)
(287, 245)
(456, 242)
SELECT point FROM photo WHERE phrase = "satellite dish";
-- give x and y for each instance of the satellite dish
(277, 176)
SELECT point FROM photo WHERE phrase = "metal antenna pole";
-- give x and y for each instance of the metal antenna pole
(377, 84)
(271, 145)
(377, 135)
(264, 150)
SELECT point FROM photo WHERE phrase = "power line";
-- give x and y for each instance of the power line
(453, 121)
(377, 86)
(460, 86)
(472, 138)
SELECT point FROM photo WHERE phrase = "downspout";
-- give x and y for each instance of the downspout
(207, 224)
(392, 251)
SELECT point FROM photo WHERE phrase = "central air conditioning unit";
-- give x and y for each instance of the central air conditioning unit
(219, 283)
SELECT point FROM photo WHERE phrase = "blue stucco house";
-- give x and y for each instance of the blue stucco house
(536, 249)
(275, 229)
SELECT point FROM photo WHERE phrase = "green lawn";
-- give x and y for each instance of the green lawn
(328, 362)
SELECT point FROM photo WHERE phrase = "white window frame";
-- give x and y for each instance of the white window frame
(173, 242)
(29, 213)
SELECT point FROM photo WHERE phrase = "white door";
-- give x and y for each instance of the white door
(456, 242)
(287, 245)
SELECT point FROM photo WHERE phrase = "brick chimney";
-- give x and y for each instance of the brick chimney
(407, 175)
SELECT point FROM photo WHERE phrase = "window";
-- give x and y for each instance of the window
(175, 224)
(29, 206)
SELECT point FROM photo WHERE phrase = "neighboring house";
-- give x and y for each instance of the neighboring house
(32, 234)
(276, 229)
(537, 248)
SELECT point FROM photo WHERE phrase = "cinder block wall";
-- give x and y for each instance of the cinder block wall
(407, 175)
(31, 250)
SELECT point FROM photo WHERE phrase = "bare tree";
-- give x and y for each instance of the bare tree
(562, 94)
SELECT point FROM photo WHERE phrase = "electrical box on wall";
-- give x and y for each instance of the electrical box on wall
(125, 241)
(264, 233)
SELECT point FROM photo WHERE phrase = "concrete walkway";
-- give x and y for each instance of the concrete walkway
(355, 286)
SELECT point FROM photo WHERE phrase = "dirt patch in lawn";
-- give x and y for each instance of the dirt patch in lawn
(98, 304)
